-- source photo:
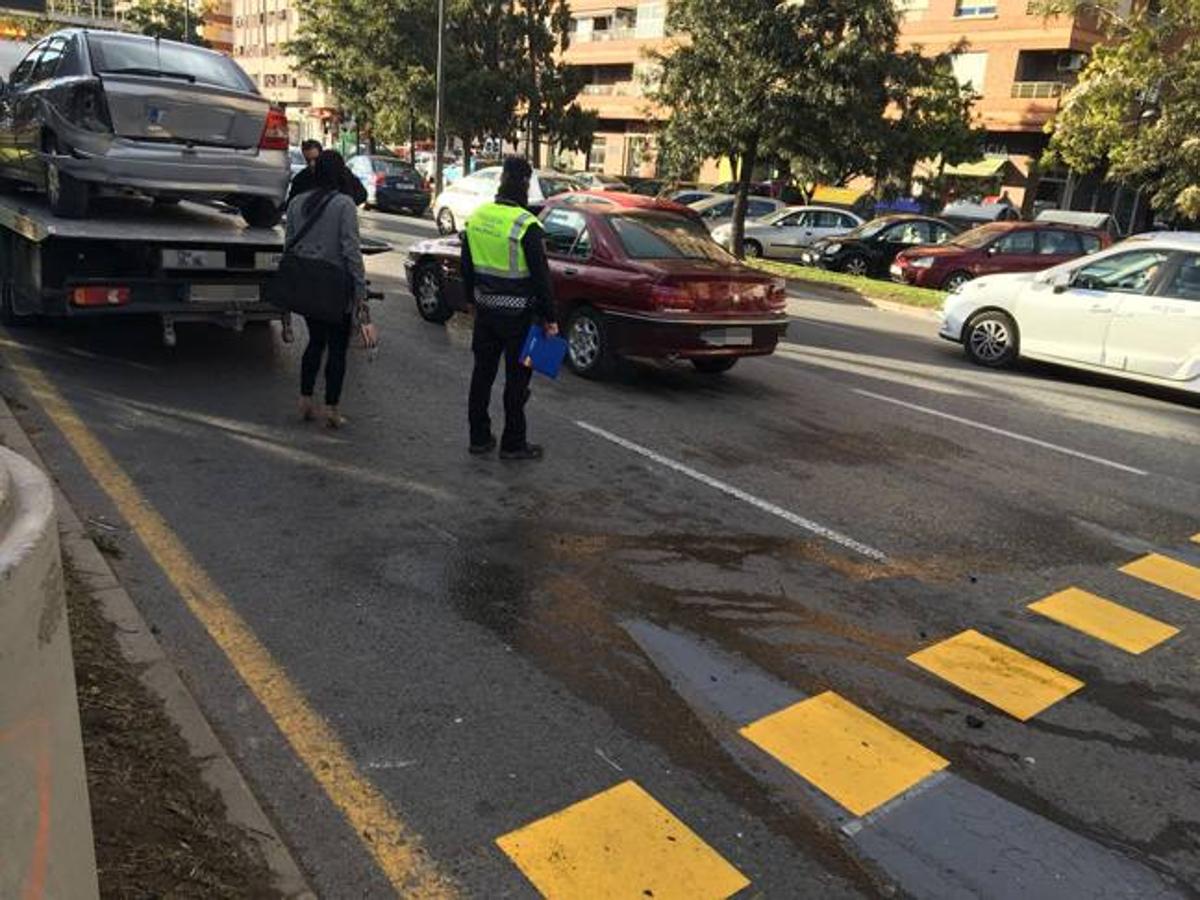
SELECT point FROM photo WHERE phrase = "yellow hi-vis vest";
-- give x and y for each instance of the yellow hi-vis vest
(494, 234)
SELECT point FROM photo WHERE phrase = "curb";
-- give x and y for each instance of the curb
(823, 291)
(140, 648)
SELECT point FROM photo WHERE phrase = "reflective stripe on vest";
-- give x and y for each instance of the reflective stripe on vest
(494, 234)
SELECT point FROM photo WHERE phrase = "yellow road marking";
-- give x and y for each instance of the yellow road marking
(395, 847)
(1167, 573)
(619, 843)
(856, 759)
(1110, 622)
(1006, 678)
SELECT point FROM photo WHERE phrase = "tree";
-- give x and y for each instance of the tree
(1136, 109)
(549, 87)
(168, 19)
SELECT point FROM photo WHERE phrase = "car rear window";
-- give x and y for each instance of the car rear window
(392, 167)
(552, 187)
(112, 53)
(666, 236)
(980, 236)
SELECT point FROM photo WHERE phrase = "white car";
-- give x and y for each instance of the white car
(718, 210)
(454, 205)
(1132, 310)
(785, 233)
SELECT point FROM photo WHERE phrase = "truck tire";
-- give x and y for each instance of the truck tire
(260, 212)
(69, 197)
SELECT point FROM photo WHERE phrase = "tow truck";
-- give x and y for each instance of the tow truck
(180, 263)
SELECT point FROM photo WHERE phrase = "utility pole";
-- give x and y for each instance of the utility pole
(187, 21)
(439, 129)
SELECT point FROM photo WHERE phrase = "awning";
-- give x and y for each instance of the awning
(983, 168)
(836, 195)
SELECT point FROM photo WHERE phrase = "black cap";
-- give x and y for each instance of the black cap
(516, 167)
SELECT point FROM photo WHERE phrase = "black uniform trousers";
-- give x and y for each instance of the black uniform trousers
(499, 335)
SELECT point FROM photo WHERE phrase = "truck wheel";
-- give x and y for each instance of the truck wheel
(69, 197)
(588, 352)
(427, 289)
(260, 212)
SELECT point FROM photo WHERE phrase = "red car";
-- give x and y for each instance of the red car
(628, 282)
(989, 249)
(622, 199)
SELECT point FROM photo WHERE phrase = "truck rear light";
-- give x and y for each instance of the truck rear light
(671, 298)
(275, 132)
(98, 295)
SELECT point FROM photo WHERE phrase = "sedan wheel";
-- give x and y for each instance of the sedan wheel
(587, 344)
(990, 339)
(752, 249)
(445, 221)
(955, 281)
(69, 198)
(856, 265)
(428, 292)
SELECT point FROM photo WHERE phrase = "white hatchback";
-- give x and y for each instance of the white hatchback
(1132, 310)
(454, 205)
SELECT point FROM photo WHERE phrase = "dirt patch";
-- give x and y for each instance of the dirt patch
(160, 830)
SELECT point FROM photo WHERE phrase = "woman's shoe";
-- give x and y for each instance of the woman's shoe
(334, 419)
(308, 410)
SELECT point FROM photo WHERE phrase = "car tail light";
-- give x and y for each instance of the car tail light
(380, 178)
(671, 298)
(97, 295)
(89, 107)
(275, 132)
(777, 294)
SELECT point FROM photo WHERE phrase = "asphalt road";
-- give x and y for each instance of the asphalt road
(667, 598)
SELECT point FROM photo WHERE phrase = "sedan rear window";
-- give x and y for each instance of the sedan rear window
(552, 187)
(115, 54)
(666, 237)
(392, 167)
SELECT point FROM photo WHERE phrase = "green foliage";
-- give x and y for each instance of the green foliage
(167, 19)
(1136, 109)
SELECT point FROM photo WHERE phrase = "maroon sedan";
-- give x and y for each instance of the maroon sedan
(622, 199)
(989, 249)
(644, 283)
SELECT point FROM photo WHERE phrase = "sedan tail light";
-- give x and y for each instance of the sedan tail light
(275, 132)
(89, 107)
(671, 298)
(380, 178)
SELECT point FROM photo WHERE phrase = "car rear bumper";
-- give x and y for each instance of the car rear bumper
(656, 337)
(191, 172)
(417, 201)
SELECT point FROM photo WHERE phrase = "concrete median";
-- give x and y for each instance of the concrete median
(46, 848)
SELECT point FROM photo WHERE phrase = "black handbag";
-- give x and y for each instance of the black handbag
(314, 288)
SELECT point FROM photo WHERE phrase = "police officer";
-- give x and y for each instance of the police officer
(505, 274)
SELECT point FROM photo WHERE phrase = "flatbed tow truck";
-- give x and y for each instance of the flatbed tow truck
(180, 263)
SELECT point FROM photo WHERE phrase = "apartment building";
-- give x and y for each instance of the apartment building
(261, 32)
(217, 27)
(610, 42)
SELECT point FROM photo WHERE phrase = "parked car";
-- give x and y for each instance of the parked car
(1100, 221)
(598, 181)
(1132, 310)
(990, 249)
(86, 110)
(631, 282)
(391, 183)
(965, 214)
(757, 188)
(870, 248)
(785, 233)
(454, 205)
(688, 196)
(622, 199)
(718, 210)
(296, 161)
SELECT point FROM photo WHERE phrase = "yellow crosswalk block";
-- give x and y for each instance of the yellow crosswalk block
(1167, 573)
(1110, 622)
(619, 843)
(1006, 678)
(856, 759)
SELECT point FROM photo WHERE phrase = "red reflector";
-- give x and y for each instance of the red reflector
(275, 133)
(100, 296)
(670, 297)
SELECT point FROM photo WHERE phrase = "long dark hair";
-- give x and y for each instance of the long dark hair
(327, 173)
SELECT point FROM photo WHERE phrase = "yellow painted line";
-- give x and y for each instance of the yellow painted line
(1006, 678)
(394, 846)
(1167, 573)
(853, 757)
(1110, 622)
(619, 843)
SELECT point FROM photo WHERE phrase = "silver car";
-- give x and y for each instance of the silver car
(91, 109)
(717, 211)
(785, 234)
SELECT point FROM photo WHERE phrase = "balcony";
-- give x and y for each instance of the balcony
(1038, 90)
(625, 33)
(619, 89)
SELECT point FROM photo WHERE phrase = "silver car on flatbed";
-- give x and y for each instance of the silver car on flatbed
(86, 111)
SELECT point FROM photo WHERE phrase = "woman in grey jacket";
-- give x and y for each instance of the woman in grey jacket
(333, 238)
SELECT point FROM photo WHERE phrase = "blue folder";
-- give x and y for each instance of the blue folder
(543, 353)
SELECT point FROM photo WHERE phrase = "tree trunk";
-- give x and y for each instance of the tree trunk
(466, 163)
(749, 159)
(733, 167)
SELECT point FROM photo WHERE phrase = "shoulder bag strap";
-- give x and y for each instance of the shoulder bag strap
(311, 222)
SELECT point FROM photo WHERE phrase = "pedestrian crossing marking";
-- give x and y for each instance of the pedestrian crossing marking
(619, 843)
(996, 673)
(1166, 573)
(1102, 619)
(853, 757)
